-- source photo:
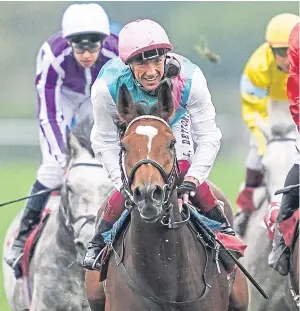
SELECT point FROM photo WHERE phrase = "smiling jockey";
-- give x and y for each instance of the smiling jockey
(67, 65)
(263, 82)
(279, 258)
(144, 61)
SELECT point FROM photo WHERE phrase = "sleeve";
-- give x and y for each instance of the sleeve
(104, 135)
(205, 133)
(48, 84)
(254, 94)
(110, 46)
(293, 79)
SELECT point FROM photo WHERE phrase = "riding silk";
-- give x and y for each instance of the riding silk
(63, 89)
(193, 106)
(293, 80)
(261, 82)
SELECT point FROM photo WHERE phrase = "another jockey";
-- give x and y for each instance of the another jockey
(263, 82)
(279, 257)
(67, 66)
(144, 61)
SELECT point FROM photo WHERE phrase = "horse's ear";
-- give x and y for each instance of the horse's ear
(165, 103)
(126, 107)
(74, 147)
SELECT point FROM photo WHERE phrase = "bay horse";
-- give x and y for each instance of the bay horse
(158, 262)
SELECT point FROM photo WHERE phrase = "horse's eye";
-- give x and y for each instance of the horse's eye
(172, 144)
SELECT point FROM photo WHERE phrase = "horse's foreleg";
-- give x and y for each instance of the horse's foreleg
(239, 296)
(94, 291)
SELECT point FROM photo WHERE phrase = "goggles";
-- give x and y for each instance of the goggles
(282, 52)
(86, 45)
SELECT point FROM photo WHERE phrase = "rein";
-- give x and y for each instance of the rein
(49, 190)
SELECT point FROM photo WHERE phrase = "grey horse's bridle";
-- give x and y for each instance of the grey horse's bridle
(70, 219)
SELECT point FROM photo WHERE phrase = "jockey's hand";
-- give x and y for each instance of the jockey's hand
(187, 189)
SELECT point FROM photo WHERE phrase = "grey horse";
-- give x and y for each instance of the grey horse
(56, 276)
(280, 134)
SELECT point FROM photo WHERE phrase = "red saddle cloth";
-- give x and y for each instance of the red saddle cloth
(34, 236)
(287, 227)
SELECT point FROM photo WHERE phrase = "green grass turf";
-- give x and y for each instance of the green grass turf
(16, 179)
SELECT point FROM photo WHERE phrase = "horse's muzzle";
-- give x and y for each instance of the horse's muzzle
(149, 200)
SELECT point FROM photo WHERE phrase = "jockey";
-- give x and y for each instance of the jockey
(67, 65)
(279, 257)
(144, 61)
(263, 82)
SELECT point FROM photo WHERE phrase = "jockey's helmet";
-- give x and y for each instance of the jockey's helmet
(85, 21)
(279, 29)
(143, 39)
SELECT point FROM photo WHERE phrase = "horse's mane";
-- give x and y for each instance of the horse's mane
(82, 132)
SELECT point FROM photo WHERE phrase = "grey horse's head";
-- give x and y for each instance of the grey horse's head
(85, 186)
(280, 135)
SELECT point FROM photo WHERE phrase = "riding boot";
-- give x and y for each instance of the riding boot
(240, 222)
(96, 245)
(279, 258)
(113, 207)
(30, 218)
(290, 200)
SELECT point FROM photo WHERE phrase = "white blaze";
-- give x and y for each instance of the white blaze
(149, 131)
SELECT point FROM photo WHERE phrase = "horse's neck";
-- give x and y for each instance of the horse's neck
(163, 257)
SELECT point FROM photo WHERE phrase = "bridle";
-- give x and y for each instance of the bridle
(70, 220)
(170, 179)
(281, 138)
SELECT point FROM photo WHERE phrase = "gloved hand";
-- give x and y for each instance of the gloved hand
(186, 190)
(187, 187)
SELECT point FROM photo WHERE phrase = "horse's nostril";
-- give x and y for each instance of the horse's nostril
(137, 194)
(158, 193)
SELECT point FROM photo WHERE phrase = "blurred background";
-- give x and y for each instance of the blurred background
(232, 29)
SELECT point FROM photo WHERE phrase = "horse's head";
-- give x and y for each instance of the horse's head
(280, 152)
(85, 186)
(148, 156)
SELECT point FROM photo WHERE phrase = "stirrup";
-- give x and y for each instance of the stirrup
(227, 229)
(96, 261)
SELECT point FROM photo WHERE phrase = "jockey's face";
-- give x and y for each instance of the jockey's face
(280, 55)
(149, 72)
(86, 56)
